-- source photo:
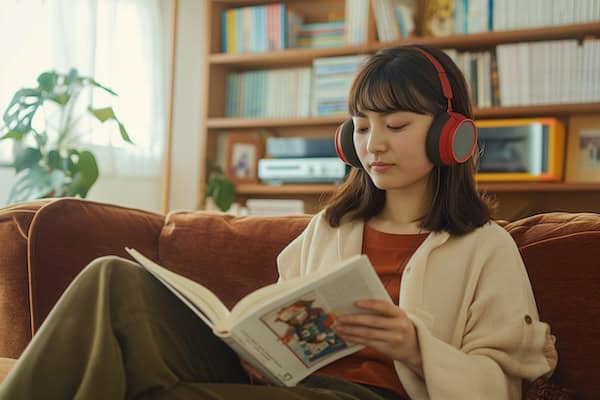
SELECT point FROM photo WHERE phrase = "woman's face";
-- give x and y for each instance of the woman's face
(391, 147)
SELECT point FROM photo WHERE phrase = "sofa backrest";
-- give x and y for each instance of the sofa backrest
(233, 256)
(561, 252)
(45, 244)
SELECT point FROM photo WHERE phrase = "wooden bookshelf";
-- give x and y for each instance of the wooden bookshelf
(219, 65)
(287, 189)
(462, 42)
(491, 112)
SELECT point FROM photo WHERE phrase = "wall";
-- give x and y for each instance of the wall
(187, 105)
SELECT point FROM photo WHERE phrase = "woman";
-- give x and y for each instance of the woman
(465, 325)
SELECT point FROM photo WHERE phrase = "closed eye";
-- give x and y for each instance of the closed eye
(397, 128)
(361, 130)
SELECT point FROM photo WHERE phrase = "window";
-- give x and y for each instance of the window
(123, 44)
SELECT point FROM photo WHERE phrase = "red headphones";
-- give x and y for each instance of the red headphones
(451, 139)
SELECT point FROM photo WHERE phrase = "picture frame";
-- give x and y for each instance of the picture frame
(521, 150)
(583, 149)
(244, 149)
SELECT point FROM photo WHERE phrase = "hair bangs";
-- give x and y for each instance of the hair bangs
(383, 87)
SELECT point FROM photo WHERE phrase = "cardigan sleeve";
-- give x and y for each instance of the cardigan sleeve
(291, 261)
(503, 342)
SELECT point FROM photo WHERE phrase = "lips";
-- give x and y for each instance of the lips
(380, 167)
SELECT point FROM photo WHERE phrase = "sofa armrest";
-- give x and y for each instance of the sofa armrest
(49, 246)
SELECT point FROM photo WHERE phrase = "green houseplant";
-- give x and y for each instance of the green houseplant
(49, 160)
(219, 187)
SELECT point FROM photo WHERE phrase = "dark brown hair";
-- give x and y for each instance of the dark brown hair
(402, 78)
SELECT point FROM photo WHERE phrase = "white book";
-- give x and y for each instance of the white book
(523, 61)
(502, 59)
(596, 78)
(287, 330)
(587, 70)
(578, 84)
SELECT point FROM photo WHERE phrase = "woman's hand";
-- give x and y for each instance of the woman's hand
(389, 331)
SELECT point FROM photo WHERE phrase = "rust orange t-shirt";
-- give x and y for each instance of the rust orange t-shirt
(389, 254)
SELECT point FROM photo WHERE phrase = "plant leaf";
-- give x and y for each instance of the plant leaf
(19, 113)
(27, 158)
(47, 81)
(86, 175)
(13, 135)
(55, 161)
(72, 159)
(102, 114)
(72, 77)
(124, 134)
(96, 84)
(224, 192)
(61, 98)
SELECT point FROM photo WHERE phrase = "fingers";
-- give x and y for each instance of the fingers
(360, 334)
(380, 306)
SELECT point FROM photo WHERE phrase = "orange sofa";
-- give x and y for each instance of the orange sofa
(44, 244)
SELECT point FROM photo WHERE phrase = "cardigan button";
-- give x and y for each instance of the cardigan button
(528, 320)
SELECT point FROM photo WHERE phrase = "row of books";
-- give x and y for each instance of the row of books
(333, 77)
(294, 92)
(275, 26)
(394, 19)
(276, 93)
(259, 28)
(318, 35)
(550, 72)
(519, 14)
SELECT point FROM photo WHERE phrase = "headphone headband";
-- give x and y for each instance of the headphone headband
(446, 88)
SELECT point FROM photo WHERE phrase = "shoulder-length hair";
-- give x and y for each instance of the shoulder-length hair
(403, 79)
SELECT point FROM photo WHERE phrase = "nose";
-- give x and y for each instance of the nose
(376, 142)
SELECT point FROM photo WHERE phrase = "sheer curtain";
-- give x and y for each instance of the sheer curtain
(123, 44)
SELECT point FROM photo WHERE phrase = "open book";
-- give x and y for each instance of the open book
(284, 330)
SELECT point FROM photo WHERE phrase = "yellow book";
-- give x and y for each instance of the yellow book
(231, 31)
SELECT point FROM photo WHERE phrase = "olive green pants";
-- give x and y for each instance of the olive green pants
(117, 333)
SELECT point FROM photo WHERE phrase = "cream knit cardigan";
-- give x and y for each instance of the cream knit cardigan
(470, 300)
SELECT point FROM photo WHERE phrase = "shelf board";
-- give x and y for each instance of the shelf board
(538, 187)
(461, 41)
(547, 110)
(490, 39)
(292, 189)
(221, 123)
(299, 189)
(492, 112)
(283, 57)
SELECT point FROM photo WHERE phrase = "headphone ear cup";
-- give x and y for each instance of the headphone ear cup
(344, 144)
(451, 140)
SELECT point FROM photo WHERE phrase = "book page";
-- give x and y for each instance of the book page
(293, 333)
(201, 300)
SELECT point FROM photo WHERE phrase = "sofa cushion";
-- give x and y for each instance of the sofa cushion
(67, 233)
(561, 252)
(223, 252)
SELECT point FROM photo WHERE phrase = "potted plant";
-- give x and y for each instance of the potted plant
(219, 188)
(49, 160)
